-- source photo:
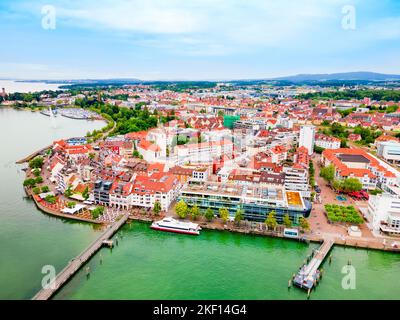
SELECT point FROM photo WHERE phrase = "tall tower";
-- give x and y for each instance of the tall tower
(307, 137)
(3, 92)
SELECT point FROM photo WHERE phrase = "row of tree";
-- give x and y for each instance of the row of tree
(182, 211)
(378, 95)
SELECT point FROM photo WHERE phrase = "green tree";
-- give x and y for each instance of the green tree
(85, 193)
(157, 207)
(68, 192)
(286, 221)
(50, 199)
(181, 209)
(36, 172)
(337, 185)
(194, 212)
(36, 190)
(36, 162)
(328, 173)
(91, 155)
(271, 220)
(239, 216)
(209, 214)
(318, 149)
(45, 189)
(39, 179)
(71, 204)
(352, 184)
(136, 154)
(304, 224)
(97, 212)
(224, 214)
(29, 182)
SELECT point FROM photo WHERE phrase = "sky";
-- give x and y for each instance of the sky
(196, 39)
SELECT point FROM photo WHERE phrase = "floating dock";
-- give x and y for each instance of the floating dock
(309, 274)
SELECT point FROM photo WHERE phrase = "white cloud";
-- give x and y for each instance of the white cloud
(147, 16)
(213, 26)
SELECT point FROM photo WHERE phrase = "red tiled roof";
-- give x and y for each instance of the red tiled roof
(147, 145)
(345, 171)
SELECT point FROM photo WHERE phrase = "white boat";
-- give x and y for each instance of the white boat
(172, 225)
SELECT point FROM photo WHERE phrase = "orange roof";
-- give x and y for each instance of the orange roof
(147, 145)
(157, 182)
(344, 170)
(386, 138)
(156, 167)
(136, 135)
(278, 149)
(302, 149)
(80, 188)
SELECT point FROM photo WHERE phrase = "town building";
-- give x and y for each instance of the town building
(307, 138)
(203, 152)
(101, 192)
(162, 187)
(390, 151)
(150, 152)
(301, 157)
(120, 195)
(357, 163)
(327, 142)
(384, 209)
(355, 137)
(296, 179)
(254, 200)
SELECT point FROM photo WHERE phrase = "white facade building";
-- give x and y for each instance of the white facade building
(384, 210)
(203, 152)
(389, 150)
(327, 142)
(297, 180)
(307, 138)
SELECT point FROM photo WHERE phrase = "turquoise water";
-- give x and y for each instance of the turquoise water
(30, 239)
(154, 265)
(149, 264)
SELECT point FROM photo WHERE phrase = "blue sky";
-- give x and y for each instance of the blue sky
(197, 39)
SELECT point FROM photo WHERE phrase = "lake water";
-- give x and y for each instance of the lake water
(30, 239)
(12, 86)
(148, 264)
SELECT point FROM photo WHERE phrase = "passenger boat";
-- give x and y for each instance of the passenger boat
(172, 225)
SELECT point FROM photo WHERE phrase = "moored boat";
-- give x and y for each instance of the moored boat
(172, 225)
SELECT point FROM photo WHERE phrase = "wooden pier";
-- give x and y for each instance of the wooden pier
(309, 273)
(75, 264)
(33, 155)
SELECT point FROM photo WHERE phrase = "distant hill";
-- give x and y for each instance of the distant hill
(347, 76)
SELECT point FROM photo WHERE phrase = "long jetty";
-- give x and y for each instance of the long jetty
(75, 264)
(309, 274)
(33, 155)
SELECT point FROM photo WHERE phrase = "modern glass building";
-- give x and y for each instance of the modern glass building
(255, 201)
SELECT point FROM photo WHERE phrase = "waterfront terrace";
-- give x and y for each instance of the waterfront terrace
(255, 200)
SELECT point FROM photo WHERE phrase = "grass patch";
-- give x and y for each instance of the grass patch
(347, 214)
